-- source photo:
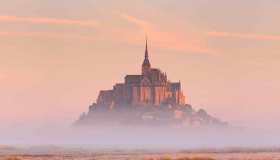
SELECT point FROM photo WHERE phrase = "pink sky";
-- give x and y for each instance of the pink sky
(56, 56)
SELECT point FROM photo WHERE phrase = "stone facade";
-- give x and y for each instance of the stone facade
(151, 87)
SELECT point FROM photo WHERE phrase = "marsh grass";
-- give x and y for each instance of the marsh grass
(12, 158)
(182, 158)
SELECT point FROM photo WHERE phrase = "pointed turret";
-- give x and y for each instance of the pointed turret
(146, 64)
(146, 50)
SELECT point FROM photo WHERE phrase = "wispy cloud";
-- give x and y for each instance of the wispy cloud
(138, 22)
(166, 38)
(244, 36)
(48, 20)
(172, 39)
(52, 35)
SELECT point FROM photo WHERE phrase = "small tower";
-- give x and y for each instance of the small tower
(146, 66)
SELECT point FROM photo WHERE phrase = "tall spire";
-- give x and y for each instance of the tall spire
(146, 64)
(146, 50)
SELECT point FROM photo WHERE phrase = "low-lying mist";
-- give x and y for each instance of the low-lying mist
(138, 137)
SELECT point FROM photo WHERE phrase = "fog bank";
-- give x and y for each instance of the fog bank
(139, 137)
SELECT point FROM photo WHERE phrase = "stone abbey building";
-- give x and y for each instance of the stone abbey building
(151, 87)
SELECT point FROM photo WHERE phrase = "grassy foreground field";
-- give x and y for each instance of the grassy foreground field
(60, 153)
(148, 156)
(93, 158)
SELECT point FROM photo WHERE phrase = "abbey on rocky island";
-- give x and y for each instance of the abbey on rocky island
(145, 99)
(149, 88)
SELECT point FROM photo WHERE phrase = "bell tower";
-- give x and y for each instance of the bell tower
(146, 66)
